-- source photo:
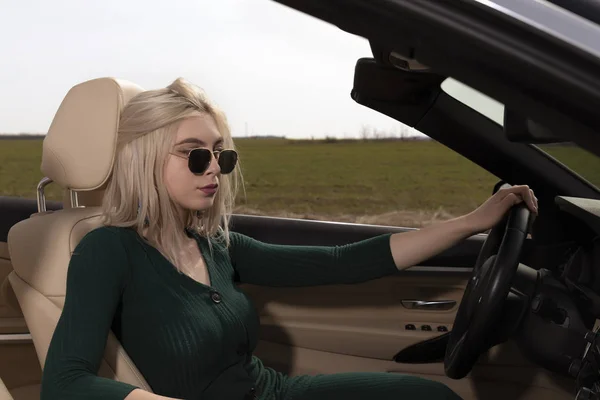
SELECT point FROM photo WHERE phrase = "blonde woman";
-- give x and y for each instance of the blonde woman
(161, 273)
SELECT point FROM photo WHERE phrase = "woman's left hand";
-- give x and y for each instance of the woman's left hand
(493, 210)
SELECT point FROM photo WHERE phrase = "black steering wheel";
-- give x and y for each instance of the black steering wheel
(486, 292)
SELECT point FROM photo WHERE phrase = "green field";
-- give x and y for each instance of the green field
(389, 182)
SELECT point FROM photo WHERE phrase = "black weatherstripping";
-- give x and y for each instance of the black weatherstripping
(306, 232)
(15, 209)
(515, 63)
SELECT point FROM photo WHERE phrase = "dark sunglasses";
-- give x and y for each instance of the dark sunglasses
(199, 160)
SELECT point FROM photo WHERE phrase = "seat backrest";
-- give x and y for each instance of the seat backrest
(78, 154)
(4, 393)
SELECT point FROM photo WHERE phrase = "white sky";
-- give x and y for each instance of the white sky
(272, 69)
(279, 71)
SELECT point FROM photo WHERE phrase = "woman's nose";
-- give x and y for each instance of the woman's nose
(214, 167)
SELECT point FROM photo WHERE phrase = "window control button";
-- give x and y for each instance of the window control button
(425, 327)
(410, 327)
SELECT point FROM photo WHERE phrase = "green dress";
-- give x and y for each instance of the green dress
(193, 341)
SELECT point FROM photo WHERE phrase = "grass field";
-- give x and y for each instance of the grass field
(386, 182)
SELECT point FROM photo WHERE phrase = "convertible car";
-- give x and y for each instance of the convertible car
(510, 314)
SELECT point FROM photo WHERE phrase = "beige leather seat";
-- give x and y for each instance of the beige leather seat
(78, 155)
(4, 394)
(28, 392)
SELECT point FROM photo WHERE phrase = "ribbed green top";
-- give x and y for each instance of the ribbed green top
(187, 339)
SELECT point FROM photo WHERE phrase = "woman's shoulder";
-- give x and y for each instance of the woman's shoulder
(113, 240)
(106, 233)
(101, 253)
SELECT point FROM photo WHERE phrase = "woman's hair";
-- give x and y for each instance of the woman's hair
(136, 195)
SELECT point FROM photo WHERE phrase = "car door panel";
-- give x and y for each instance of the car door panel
(366, 320)
(487, 382)
(361, 327)
(307, 331)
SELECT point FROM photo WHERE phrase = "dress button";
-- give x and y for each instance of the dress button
(215, 297)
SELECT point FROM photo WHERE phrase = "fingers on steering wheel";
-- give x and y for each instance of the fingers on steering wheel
(512, 199)
(530, 199)
(534, 199)
(517, 194)
(526, 194)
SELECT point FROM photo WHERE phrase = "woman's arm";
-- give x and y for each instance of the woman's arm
(412, 248)
(268, 264)
(97, 275)
(279, 265)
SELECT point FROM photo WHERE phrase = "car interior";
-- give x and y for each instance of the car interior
(510, 314)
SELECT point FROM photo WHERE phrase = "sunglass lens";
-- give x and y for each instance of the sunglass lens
(227, 161)
(199, 160)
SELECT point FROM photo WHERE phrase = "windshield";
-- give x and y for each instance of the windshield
(578, 160)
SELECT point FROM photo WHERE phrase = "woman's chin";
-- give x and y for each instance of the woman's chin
(202, 204)
(196, 202)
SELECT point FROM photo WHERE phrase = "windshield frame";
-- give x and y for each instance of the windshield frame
(494, 110)
(554, 20)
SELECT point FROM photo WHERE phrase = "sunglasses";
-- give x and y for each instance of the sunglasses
(199, 160)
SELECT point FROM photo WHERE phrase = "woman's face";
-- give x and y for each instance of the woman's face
(193, 191)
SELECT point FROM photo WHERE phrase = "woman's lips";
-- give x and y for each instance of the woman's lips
(209, 189)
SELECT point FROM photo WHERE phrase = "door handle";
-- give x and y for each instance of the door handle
(429, 304)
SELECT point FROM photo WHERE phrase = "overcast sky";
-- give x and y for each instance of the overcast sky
(270, 67)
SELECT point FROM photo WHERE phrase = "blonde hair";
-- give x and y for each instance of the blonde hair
(136, 192)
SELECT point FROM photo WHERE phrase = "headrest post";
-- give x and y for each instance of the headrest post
(41, 197)
(74, 199)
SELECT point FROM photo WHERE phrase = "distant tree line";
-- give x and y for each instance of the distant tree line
(24, 136)
(366, 132)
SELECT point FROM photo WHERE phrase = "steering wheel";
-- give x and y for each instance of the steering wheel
(486, 292)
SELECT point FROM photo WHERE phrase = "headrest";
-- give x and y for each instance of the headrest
(79, 149)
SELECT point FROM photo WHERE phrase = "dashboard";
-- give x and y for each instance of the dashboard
(585, 210)
(580, 275)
